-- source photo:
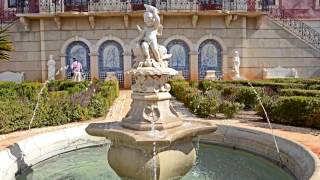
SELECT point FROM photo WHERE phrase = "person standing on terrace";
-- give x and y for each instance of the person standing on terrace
(76, 67)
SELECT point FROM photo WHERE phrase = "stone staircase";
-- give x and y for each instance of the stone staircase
(298, 28)
(7, 18)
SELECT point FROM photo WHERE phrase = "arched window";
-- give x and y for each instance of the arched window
(80, 51)
(111, 60)
(180, 57)
(209, 58)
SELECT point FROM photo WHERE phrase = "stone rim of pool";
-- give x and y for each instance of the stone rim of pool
(46, 145)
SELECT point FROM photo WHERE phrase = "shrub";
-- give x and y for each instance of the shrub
(229, 109)
(204, 106)
(62, 102)
(269, 103)
(294, 110)
(247, 96)
(314, 87)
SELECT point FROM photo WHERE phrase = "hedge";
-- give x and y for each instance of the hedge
(207, 84)
(294, 110)
(299, 92)
(61, 102)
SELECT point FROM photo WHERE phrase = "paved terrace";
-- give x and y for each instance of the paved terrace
(306, 136)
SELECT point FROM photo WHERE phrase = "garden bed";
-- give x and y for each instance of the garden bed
(288, 101)
(61, 102)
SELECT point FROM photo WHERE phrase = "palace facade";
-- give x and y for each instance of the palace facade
(202, 35)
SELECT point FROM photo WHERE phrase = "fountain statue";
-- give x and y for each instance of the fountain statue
(151, 141)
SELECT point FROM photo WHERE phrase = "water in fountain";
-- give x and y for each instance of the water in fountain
(34, 115)
(217, 162)
(266, 115)
(154, 151)
(195, 170)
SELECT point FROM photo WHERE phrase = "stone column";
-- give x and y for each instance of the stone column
(193, 65)
(94, 65)
(126, 66)
(243, 52)
(43, 52)
(63, 64)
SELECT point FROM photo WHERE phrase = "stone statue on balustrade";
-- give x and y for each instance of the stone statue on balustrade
(51, 68)
(147, 51)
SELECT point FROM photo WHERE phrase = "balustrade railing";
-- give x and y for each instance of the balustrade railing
(288, 20)
(54, 6)
(7, 17)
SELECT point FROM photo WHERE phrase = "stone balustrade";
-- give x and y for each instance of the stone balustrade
(56, 6)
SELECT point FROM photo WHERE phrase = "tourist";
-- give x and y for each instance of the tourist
(76, 67)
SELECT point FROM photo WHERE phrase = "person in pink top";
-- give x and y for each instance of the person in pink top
(76, 67)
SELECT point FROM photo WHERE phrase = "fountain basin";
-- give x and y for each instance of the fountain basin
(133, 153)
(115, 132)
(301, 161)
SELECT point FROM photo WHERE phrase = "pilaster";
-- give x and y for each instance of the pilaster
(94, 65)
(127, 66)
(193, 65)
(63, 64)
(43, 58)
(244, 41)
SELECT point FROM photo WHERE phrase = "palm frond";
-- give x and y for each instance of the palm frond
(6, 45)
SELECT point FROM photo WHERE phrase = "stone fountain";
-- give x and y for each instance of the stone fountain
(151, 142)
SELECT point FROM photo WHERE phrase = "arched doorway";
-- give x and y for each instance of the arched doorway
(209, 58)
(111, 60)
(80, 51)
(180, 57)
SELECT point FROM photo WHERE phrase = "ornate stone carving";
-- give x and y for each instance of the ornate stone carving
(26, 23)
(92, 22)
(57, 20)
(194, 20)
(279, 72)
(227, 20)
(211, 75)
(258, 22)
(126, 20)
(12, 76)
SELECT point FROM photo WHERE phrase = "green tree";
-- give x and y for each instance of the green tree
(6, 45)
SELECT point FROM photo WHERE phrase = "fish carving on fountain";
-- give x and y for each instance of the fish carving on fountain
(135, 152)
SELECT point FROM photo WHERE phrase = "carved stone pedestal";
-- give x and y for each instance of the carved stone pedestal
(148, 108)
(151, 100)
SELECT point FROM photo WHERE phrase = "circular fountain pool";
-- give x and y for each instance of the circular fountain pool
(214, 162)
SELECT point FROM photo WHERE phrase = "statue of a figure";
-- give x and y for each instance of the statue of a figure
(147, 48)
(236, 65)
(51, 68)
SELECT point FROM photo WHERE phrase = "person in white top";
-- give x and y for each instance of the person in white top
(76, 68)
